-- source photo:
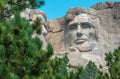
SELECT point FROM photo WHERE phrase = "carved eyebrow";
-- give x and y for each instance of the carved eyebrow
(87, 24)
(72, 24)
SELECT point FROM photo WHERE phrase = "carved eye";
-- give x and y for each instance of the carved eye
(86, 25)
(73, 27)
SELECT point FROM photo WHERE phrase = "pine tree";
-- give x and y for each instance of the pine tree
(36, 25)
(20, 55)
(76, 74)
(2, 4)
(113, 65)
(9, 7)
(22, 4)
(89, 72)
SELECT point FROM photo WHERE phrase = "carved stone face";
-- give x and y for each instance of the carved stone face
(81, 32)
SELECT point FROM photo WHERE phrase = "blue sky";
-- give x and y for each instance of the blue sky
(58, 8)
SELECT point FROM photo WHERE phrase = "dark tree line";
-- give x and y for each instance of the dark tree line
(8, 7)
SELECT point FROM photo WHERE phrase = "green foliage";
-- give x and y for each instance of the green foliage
(22, 4)
(20, 55)
(36, 3)
(113, 64)
(102, 75)
(50, 49)
(89, 72)
(55, 69)
(9, 7)
(65, 59)
(2, 4)
(76, 74)
(37, 25)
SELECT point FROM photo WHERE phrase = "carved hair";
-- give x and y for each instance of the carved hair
(72, 12)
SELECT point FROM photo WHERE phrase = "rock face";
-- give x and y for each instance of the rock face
(82, 34)
(31, 16)
(86, 34)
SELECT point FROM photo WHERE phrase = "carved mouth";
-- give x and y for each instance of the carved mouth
(80, 40)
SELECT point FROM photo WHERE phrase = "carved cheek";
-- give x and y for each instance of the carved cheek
(92, 35)
(72, 35)
(85, 32)
(92, 31)
(89, 31)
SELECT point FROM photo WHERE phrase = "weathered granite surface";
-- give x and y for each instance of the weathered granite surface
(31, 15)
(82, 34)
(102, 38)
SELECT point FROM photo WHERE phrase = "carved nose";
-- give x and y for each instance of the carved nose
(79, 31)
(79, 34)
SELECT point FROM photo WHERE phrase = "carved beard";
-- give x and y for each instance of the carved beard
(86, 47)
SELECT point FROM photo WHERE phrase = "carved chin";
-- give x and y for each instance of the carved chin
(81, 48)
(85, 48)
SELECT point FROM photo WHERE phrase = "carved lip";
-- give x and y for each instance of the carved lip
(80, 40)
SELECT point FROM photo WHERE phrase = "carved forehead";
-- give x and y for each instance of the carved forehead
(81, 18)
